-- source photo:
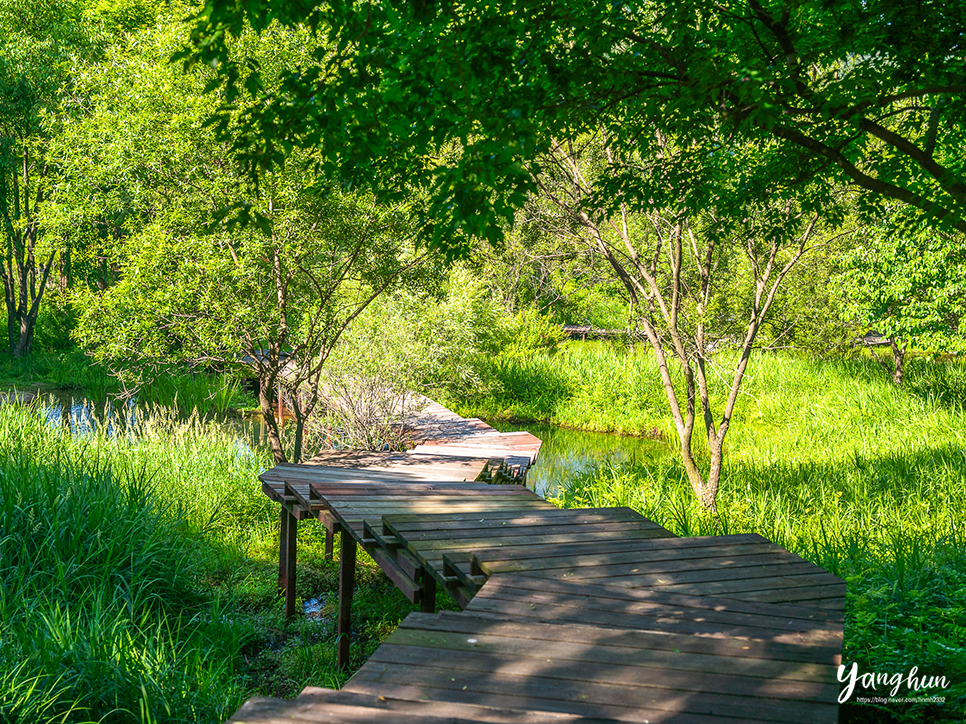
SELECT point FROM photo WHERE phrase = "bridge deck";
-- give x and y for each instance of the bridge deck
(569, 615)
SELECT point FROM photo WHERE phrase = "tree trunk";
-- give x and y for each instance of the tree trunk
(898, 361)
(300, 417)
(265, 402)
(65, 269)
(706, 491)
(710, 498)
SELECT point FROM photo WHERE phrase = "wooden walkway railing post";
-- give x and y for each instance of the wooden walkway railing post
(290, 557)
(283, 518)
(427, 595)
(347, 581)
(328, 544)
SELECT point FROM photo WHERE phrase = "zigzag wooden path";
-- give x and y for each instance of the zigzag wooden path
(569, 616)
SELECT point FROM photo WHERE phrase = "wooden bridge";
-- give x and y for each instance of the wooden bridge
(596, 615)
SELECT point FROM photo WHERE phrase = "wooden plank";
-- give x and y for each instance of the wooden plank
(661, 544)
(831, 596)
(633, 668)
(609, 647)
(466, 696)
(617, 598)
(734, 588)
(480, 504)
(317, 698)
(472, 544)
(657, 619)
(679, 573)
(413, 489)
(574, 695)
(594, 636)
(549, 516)
(378, 488)
(613, 562)
(438, 500)
(477, 530)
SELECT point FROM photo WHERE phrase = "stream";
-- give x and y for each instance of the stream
(565, 454)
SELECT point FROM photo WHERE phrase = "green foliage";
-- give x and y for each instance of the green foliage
(185, 285)
(529, 331)
(909, 286)
(836, 91)
(835, 463)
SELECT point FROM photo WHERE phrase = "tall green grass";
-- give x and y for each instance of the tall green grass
(138, 564)
(591, 386)
(103, 544)
(828, 458)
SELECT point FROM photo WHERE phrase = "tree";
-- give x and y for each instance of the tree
(42, 46)
(908, 285)
(275, 294)
(698, 283)
(864, 91)
(36, 44)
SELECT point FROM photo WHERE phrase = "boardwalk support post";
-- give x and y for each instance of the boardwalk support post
(427, 596)
(328, 544)
(347, 581)
(283, 517)
(290, 556)
(287, 532)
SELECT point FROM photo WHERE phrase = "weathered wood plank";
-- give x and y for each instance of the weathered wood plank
(614, 562)
(633, 668)
(586, 596)
(595, 636)
(389, 707)
(546, 693)
(550, 516)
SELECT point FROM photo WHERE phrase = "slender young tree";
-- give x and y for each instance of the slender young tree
(37, 43)
(678, 268)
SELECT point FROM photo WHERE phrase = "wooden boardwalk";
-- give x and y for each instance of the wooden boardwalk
(596, 615)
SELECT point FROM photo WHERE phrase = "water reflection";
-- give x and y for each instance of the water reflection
(566, 454)
(83, 418)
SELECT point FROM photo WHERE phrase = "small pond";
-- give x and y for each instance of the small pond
(565, 454)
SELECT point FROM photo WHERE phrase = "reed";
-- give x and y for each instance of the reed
(102, 616)
(138, 563)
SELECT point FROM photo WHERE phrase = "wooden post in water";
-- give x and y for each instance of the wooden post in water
(347, 581)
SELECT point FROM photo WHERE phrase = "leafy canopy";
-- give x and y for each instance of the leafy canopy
(462, 98)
